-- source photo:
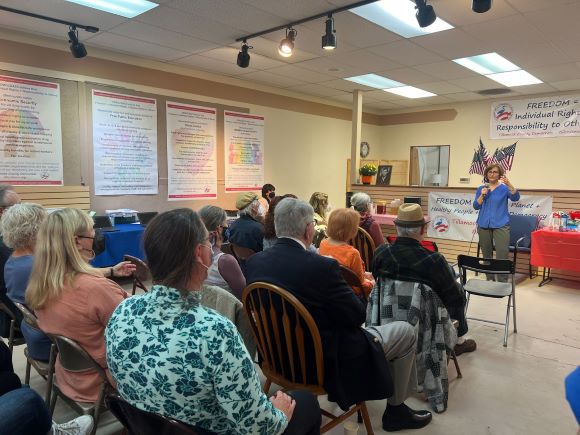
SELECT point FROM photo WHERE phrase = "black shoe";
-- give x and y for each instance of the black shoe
(402, 417)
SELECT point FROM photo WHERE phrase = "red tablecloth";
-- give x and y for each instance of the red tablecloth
(387, 219)
(556, 250)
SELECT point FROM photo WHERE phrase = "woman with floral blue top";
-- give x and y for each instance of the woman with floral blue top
(172, 356)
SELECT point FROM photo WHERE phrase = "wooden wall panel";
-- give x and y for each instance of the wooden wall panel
(56, 196)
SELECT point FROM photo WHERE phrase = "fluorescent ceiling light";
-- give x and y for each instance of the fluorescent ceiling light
(489, 63)
(410, 92)
(124, 8)
(515, 78)
(375, 81)
(398, 17)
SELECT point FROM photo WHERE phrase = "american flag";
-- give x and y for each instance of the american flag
(484, 154)
(477, 164)
(505, 156)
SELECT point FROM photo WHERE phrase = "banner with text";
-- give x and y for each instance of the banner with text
(453, 216)
(537, 117)
(30, 132)
(244, 151)
(191, 152)
(124, 144)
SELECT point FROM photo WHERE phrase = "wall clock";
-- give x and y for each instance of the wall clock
(365, 149)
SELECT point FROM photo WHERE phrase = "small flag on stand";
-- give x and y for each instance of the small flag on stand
(505, 156)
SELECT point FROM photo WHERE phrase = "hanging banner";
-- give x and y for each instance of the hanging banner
(30, 132)
(124, 144)
(191, 152)
(536, 117)
(452, 215)
(244, 151)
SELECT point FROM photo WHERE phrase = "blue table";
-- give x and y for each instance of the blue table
(126, 241)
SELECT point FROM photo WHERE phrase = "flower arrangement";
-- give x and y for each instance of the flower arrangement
(369, 169)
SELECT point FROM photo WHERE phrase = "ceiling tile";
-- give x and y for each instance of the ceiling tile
(369, 61)
(555, 22)
(213, 65)
(135, 47)
(478, 83)
(293, 71)
(159, 36)
(465, 96)
(408, 76)
(556, 73)
(512, 31)
(441, 88)
(327, 65)
(272, 79)
(406, 52)
(460, 13)
(446, 70)
(230, 55)
(452, 44)
(568, 85)
(318, 90)
(346, 85)
(532, 55)
(536, 5)
(290, 10)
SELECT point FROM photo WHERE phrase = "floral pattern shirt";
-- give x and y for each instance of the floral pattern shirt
(177, 358)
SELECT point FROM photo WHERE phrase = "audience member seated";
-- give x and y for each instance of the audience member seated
(319, 202)
(342, 227)
(269, 229)
(22, 410)
(20, 224)
(247, 231)
(359, 364)
(407, 260)
(268, 194)
(362, 203)
(172, 356)
(70, 297)
(224, 271)
(8, 197)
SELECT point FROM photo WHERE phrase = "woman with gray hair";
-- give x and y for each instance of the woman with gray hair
(224, 272)
(19, 226)
(361, 202)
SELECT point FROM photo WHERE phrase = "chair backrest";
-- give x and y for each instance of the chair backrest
(28, 316)
(287, 337)
(73, 357)
(521, 228)
(363, 242)
(427, 244)
(484, 265)
(5, 309)
(146, 216)
(137, 421)
(354, 281)
(142, 272)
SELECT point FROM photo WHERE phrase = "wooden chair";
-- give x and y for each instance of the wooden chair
(14, 335)
(142, 273)
(363, 242)
(74, 358)
(44, 368)
(282, 327)
(137, 421)
(353, 280)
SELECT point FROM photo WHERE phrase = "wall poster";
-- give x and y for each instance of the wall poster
(244, 151)
(191, 152)
(124, 144)
(30, 132)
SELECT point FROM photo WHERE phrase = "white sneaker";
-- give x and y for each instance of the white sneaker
(79, 426)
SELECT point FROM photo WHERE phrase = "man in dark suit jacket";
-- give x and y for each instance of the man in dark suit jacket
(357, 361)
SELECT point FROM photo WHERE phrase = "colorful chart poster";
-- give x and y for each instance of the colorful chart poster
(191, 152)
(244, 151)
(124, 144)
(30, 132)
(537, 117)
(452, 215)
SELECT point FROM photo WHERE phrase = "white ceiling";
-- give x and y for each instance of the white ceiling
(536, 35)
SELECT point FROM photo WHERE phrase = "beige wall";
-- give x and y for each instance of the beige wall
(545, 163)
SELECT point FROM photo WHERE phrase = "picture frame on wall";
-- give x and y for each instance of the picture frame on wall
(384, 175)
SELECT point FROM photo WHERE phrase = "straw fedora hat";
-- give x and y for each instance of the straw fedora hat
(410, 215)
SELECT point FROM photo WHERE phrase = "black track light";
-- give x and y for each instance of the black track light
(329, 38)
(77, 48)
(286, 46)
(425, 13)
(481, 6)
(244, 56)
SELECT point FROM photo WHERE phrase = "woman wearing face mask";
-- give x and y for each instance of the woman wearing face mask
(224, 271)
(197, 369)
(268, 194)
(70, 297)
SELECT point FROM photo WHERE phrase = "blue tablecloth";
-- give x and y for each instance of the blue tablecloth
(126, 241)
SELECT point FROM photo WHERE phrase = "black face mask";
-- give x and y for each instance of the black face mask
(271, 195)
(99, 242)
